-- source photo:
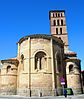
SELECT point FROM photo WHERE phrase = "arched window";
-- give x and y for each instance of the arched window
(8, 68)
(57, 22)
(54, 22)
(40, 60)
(61, 22)
(58, 14)
(71, 69)
(60, 30)
(22, 62)
(22, 58)
(56, 30)
(61, 15)
(53, 14)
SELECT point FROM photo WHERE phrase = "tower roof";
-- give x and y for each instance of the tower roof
(56, 11)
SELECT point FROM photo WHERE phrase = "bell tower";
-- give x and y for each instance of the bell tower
(58, 26)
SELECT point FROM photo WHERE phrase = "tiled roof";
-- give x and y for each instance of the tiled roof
(11, 61)
(44, 36)
(71, 54)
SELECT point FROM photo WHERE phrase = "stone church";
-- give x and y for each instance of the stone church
(44, 63)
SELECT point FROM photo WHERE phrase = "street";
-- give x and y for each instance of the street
(46, 97)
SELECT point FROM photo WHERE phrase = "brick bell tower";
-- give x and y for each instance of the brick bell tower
(58, 26)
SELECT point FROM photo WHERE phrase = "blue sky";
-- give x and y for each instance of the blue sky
(19, 18)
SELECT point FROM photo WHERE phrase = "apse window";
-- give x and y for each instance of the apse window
(8, 68)
(71, 69)
(22, 58)
(40, 60)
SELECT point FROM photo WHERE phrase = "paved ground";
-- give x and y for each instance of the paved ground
(47, 97)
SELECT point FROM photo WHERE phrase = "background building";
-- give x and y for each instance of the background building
(41, 62)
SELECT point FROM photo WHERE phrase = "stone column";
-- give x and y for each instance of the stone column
(38, 63)
(29, 63)
(18, 53)
(52, 64)
(18, 56)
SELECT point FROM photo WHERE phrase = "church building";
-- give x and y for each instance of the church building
(44, 63)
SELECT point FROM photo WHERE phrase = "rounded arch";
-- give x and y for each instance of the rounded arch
(40, 51)
(70, 63)
(40, 54)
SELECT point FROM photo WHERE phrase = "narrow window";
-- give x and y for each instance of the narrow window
(40, 67)
(8, 68)
(58, 14)
(22, 58)
(36, 60)
(71, 69)
(22, 62)
(57, 22)
(56, 30)
(60, 30)
(54, 22)
(61, 22)
(53, 14)
(61, 14)
(40, 61)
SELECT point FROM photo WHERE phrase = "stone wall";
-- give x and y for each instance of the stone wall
(35, 73)
(8, 79)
